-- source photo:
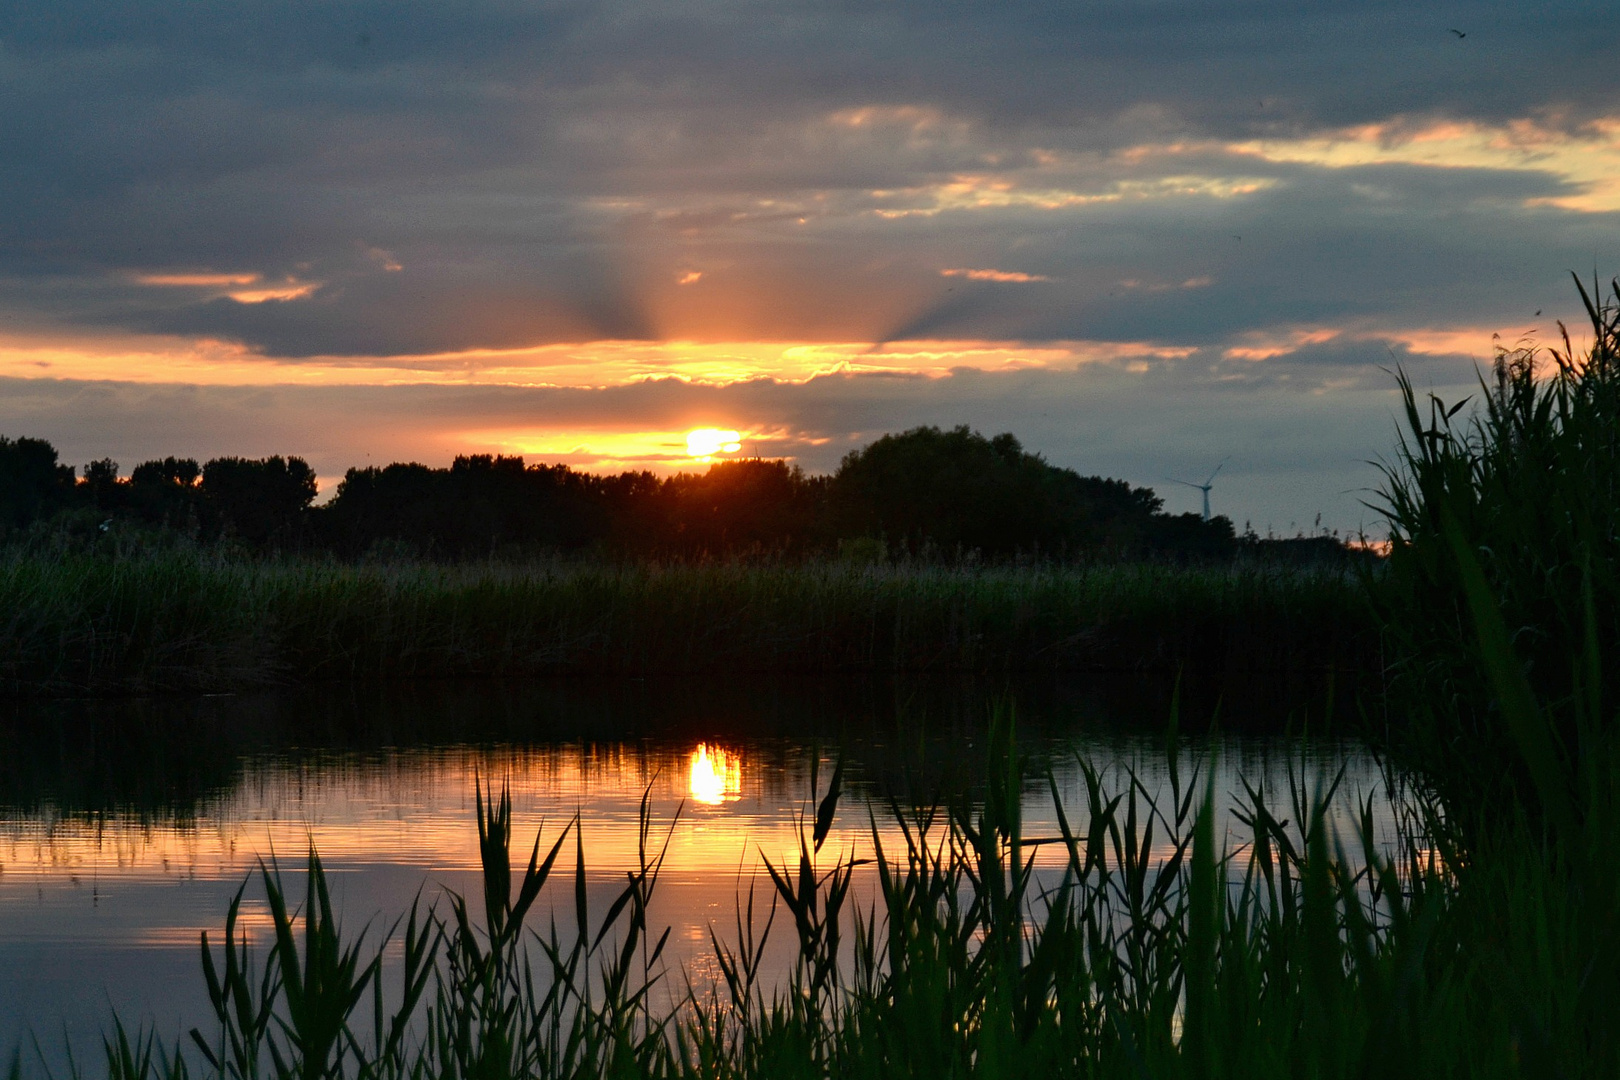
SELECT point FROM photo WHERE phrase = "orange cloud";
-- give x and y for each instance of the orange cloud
(1446, 340)
(153, 359)
(1587, 157)
(1475, 341)
(289, 288)
(994, 275)
(195, 281)
(1267, 344)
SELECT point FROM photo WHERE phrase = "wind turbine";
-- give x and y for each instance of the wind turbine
(1205, 486)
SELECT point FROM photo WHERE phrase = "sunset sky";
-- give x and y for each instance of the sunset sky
(1144, 237)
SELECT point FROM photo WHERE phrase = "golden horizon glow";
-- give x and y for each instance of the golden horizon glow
(604, 449)
(1584, 158)
(588, 437)
(169, 360)
(590, 440)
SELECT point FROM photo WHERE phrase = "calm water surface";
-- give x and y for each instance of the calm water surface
(126, 829)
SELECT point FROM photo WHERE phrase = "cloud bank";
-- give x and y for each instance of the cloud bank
(1141, 235)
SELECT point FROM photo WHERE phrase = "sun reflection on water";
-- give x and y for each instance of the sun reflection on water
(715, 774)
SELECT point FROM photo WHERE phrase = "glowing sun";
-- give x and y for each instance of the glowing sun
(706, 442)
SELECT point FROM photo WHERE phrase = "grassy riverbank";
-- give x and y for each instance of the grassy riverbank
(186, 621)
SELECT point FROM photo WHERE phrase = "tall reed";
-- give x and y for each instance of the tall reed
(1502, 597)
(1502, 604)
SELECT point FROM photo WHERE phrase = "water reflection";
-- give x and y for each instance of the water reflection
(123, 835)
(715, 774)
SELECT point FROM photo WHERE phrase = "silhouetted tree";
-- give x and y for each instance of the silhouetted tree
(1112, 516)
(636, 510)
(484, 505)
(100, 484)
(169, 472)
(165, 492)
(923, 491)
(506, 503)
(954, 489)
(480, 506)
(750, 505)
(262, 502)
(1190, 537)
(32, 484)
(402, 503)
(959, 490)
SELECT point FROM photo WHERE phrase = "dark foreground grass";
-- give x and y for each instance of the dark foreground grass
(179, 620)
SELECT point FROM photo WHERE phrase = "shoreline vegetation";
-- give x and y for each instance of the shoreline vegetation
(925, 494)
(187, 621)
(1484, 943)
(927, 551)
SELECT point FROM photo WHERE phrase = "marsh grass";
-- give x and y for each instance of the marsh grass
(1502, 607)
(1502, 600)
(191, 621)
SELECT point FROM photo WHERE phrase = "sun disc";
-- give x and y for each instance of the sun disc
(706, 442)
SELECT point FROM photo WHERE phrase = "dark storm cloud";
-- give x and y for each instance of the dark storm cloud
(541, 171)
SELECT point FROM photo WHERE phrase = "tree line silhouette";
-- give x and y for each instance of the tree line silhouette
(921, 493)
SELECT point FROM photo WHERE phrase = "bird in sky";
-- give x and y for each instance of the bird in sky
(1459, 33)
